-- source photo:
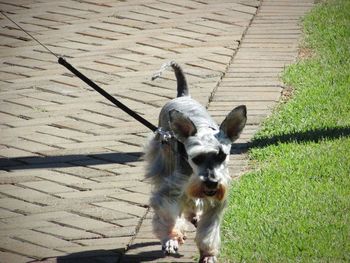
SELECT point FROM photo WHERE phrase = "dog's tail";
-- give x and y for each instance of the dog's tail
(182, 88)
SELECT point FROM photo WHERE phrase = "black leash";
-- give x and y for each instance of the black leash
(89, 82)
(105, 94)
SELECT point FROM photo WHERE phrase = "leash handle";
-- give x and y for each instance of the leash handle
(109, 97)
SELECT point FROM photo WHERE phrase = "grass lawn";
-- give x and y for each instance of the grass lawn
(295, 204)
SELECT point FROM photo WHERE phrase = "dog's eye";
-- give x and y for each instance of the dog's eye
(199, 159)
(220, 157)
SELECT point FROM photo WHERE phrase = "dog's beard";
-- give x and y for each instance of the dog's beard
(196, 189)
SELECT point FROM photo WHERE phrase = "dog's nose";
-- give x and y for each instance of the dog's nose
(211, 184)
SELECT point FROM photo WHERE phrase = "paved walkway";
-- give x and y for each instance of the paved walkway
(71, 186)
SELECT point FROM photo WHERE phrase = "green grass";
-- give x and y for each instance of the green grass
(295, 204)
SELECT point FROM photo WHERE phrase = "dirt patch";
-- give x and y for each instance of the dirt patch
(305, 53)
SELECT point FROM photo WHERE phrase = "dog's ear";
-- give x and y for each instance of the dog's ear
(234, 122)
(181, 125)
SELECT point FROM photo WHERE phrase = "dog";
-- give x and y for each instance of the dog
(187, 164)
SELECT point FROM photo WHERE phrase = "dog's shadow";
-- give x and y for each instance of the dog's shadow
(150, 251)
(92, 256)
(138, 252)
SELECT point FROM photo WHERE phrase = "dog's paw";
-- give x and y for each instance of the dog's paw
(208, 259)
(170, 247)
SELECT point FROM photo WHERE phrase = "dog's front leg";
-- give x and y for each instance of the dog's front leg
(167, 224)
(208, 233)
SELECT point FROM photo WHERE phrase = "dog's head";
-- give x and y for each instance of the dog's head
(208, 150)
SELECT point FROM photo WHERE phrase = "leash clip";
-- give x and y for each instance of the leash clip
(163, 136)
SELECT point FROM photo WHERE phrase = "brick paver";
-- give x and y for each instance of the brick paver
(71, 172)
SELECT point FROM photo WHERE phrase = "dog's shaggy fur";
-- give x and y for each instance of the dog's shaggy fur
(189, 172)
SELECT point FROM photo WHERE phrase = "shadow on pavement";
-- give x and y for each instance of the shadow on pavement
(146, 255)
(93, 256)
(42, 162)
(115, 256)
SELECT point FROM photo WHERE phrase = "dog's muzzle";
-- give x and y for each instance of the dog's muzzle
(210, 186)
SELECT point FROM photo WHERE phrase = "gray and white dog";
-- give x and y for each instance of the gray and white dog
(188, 166)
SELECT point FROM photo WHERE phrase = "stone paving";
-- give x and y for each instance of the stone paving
(71, 172)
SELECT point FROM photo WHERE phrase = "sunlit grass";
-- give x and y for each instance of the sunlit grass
(295, 204)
